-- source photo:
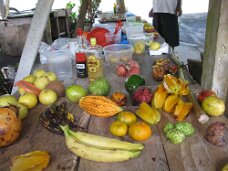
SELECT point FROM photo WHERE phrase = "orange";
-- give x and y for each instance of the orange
(118, 128)
(139, 131)
(127, 117)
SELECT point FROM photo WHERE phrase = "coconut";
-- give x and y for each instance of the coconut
(58, 87)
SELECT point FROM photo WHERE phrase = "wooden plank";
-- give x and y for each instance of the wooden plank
(195, 153)
(33, 40)
(35, 137)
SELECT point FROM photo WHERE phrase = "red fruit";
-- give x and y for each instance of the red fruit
(205, 93)
(133, 63)
(141, 94)
(121, 70)
(133, 70)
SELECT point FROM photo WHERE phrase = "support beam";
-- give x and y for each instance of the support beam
(215, 61)
(33, 40)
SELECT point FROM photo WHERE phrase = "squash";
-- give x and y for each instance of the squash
(100, 106)
(36, 160)
(160, 96)
(182, 109)
(10, 125)
(171, 102)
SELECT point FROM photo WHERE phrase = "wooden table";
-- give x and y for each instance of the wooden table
(194, 154)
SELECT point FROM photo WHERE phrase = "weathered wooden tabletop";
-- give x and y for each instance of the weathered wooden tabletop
(194, 154)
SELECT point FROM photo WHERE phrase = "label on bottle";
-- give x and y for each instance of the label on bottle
(81, 70)
(95, 67)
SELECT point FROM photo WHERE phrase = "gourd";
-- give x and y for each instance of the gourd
(100, 106)
(10, 125)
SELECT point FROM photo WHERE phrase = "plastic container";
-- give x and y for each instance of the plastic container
(60, 62)
(118, 53)
(138, 42)
(134, 28)
(113, 38)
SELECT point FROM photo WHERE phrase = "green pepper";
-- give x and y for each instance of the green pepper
(133, 82)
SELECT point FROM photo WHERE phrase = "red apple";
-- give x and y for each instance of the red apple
(205, 93)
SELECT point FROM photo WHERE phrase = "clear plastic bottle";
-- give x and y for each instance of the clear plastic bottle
(95, 61)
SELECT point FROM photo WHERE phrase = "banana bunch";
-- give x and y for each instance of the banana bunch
(98, 148)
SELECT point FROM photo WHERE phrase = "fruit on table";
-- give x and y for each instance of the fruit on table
(39, 72)
(148, 114)
(47, 97)
(100, 149)
(100, 86)
(225, 167)
(133, 82)
(155, 46)
(23, 111)
(158, 72)
(57, 86)
(36, 160)
(29, 99)
(51, 76)
(100, 106)
(119, 98)
(121, 70)
(7, 99)
(30, 78)
(175, 85)
(216, 134)
(132, 67)
(139, 131)
(176, 133)
(126, 117)
(213, 106)
(171, 102)
(10, 125)
(141, 94)
(75, 92)
(118, 128)
(103, 142)
(205, 93)
(160, 96)
(41, 82)
(175, 136)
(181, 110)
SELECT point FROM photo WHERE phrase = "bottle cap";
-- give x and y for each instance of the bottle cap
(79, 31)
(93, 41)
(80, 57)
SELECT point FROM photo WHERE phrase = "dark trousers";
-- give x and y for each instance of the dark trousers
(167, 26)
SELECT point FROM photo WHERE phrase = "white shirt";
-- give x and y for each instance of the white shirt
(164, 6)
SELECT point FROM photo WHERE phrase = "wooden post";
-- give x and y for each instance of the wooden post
(215, 61)
(33, 40)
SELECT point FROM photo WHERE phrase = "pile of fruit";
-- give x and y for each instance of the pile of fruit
(176, 133)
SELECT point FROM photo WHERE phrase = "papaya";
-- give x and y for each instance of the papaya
(148, 114)
(171, 102)
(160, 96)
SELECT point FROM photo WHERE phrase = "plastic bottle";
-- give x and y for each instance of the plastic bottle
(95, 61)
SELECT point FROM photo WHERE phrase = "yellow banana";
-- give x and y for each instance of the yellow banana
(95, 154)
(103, 142)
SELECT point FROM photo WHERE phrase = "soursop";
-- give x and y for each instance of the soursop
(100, 87)
(175, 136)
(185, 128)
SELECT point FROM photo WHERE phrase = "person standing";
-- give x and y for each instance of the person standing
(165, 15)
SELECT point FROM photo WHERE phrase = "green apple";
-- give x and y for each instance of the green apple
(47, 97)
(41, 82)
(30, 78)
(29, 99)
(39, 73)
(51, 76)
(155, 46)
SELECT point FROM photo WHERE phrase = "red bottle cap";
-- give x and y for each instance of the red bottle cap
(80, 57)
